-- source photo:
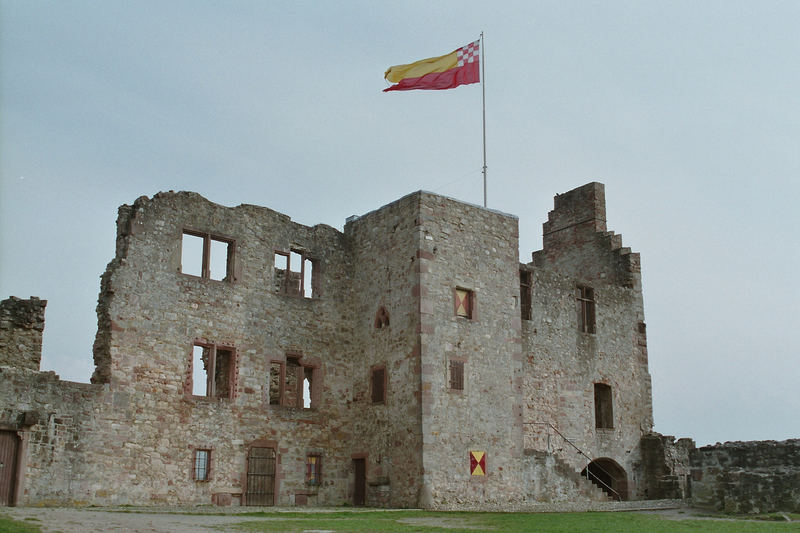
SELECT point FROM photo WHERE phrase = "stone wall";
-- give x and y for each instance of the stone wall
(747, 477)
(664, 467)
(21, 327)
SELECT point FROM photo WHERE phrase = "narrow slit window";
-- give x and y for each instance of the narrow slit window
(378, 385)
(525, 286)
(199, 370)
(586, 309)
(202, 464)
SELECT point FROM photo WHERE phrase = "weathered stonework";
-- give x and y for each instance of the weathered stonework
(21, 327)
(414, 340)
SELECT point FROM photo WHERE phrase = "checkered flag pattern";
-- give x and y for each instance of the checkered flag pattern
(469, 53)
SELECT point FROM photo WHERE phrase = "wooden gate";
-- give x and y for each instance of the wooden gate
(260, 476)
(9, 444)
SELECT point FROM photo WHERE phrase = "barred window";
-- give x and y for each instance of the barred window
(202, 464)
(456, 375)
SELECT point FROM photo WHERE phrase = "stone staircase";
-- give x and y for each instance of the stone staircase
(550, 479)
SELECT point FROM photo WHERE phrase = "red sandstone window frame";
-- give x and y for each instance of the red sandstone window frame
(378, 381)
(205, 270)
(456, 376)
(587, 313)
(464, 303)
(307, 289)
(201, 472)
(211, 384)
(307, 365)
(314, 469)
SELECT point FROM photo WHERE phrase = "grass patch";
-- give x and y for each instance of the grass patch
(9, 525)
(463, 522)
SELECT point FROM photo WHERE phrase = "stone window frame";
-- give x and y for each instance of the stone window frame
(375, 398)
(205, 269)
(603, 406)
(233, 371)
(314, 278)
(208, 466)
(313, 465)
(304, 362)
(471, 311)
(456, 362)
(587, 309)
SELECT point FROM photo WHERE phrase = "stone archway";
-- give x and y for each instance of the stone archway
(607, 474)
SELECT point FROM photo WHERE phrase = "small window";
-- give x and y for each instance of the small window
(586, 309)
(603, 409)
(295, 274)
(313, 469)
(525, 286)
(464, 303)
(456, 375)
(213, 372)
(207, 256)
(381, 318)
(292, 383)
(202, 465)
(378, 385)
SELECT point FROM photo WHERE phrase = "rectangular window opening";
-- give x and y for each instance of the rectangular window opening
(378, 385)
(314, 469)
(275, 379)
(207, 257)
(292, 384)
(295, 274)
(603, 408)
(525, 289)
(202, 463)
(456, 375)
(586, 309)
(464, 303)
(212, 371)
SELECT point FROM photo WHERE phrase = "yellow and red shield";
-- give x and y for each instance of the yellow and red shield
(477, 463)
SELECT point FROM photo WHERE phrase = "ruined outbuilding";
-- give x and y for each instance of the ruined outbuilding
(410, 360)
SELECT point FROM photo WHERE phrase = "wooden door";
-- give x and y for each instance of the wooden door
(360, 488)
(9, 445)
(260, 476)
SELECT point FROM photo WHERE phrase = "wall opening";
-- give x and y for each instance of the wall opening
(609, 476)
(378, 385)
(213, 371)
(525, 292)
(586, 309)
(295, 274)
(207, 256)
(603, 406)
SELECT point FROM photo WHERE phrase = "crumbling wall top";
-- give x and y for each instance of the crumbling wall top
(21, 327)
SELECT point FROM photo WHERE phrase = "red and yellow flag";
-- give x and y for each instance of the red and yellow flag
(460, 67)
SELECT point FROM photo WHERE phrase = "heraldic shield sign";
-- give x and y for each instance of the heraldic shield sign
(477, 463)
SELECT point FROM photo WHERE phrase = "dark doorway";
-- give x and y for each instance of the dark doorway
(609, 476)
(360, 487)
(9, 445)
(260, 476)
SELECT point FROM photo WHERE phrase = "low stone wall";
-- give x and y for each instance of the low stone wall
(747, 477)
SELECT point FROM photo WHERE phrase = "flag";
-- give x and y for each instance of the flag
(460, 67)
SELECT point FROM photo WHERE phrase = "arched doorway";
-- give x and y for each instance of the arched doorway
(609, 476)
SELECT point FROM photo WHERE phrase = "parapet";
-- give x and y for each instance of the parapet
(21, 328)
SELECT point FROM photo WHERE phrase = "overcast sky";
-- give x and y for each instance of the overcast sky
(689, 112)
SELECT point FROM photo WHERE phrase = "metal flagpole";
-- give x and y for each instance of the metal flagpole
(483, 90)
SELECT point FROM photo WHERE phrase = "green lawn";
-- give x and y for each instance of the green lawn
(7, 525)
(456, 522)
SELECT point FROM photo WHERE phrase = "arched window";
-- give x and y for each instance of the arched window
(381, 318)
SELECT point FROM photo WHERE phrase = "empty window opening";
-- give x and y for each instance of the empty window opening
(207, 257)
(456, 375)
(314, 469)
(586, 309)
(381, 318)
(603, 410)
(378, 385)
(275, 380)
(295, 274)
(202, 464)
(464, 303)
(292, 384)
(525, 286)
(212, 371)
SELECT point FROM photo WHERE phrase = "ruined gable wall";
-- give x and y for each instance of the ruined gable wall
(386, 262)
(466, 246)
(563, 363)
(154, 315)
(52, 419)
(21, 327)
